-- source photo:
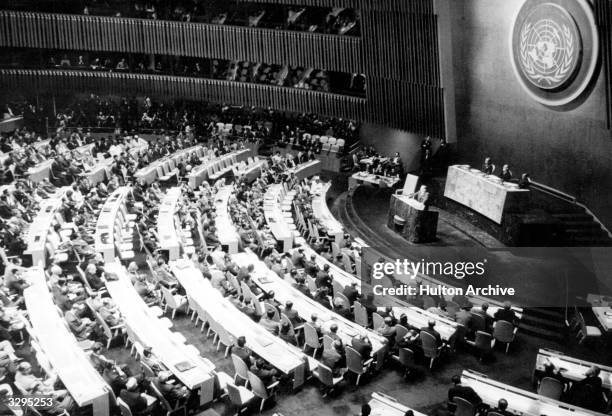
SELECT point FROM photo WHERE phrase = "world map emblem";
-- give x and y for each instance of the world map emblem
(550, 46)
(554, 49)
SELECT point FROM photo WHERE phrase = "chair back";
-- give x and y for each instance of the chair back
(310, 282)
(258, 387)
(125, 409)
(346, 262)
(169, 297)
(478, 322)
(377, 321)
(428, 302)
(165, 404)
(483, 341)
(224, 336)
(400, 332)
(338, 287)
(240, 367)
(503, 331)
(551, 388)
(246, 292)
(234, 394)
(406, 356)
(361, 315)
(354, 361)
(429, 344)
(328, 342)
(147, 370)
(464, 408)
(452, 308)
(325, 375)
(345, 300)
(311, 336)
(269, 307)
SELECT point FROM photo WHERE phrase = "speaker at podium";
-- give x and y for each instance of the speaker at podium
(409, 213)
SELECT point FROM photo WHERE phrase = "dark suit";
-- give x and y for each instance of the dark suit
(433, 332)
(363, 348)
(333, 360)
(292, 315)
(466, 393)
(244, 353)
(134, 400)
(351, 293)
(505, 315)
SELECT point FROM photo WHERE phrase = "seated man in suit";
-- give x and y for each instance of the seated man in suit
(341, 309)
(301, 285)
(139, 403)
(286, 334)
(242, 351)
(430, 329)
(502, 405)
(291, 314)
(506, 314)
(351, 293)
(488, 167)
(322, 296)
(588, 392)
(333, 333)
(266, 373)
(465, 392)
(506, 174)
(388, 330)
(362, 344)
(173, 391)
(269, 323)
(484, 315)
(335, 358)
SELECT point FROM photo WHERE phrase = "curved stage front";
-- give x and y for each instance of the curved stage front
(542, 277)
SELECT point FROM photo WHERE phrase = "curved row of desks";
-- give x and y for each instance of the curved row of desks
(95, 173)
(37, 238)
(111, 218)
(226, 231)
(519, 401)
(212, 305)
(167, 164)
(169, 238)
(268, 281)
(417, 317)
(61, 348)
(383, 405)
(321, 212)
(194, 371)
(212, 168)
(572, 368)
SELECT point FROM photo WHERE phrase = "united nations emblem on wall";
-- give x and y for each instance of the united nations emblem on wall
(555, 49)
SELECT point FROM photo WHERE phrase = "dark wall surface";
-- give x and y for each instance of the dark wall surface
(570, 150)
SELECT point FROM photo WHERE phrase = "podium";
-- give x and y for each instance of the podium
(408, 217)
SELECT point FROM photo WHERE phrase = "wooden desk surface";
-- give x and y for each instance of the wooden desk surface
(225, 227)
(267, 280)
(572, 368)
(107, 217)
(523, 401)
(153, 333)
(166, 226)
(321, 212)
(271, 348)
(383, 405)
(59, 344)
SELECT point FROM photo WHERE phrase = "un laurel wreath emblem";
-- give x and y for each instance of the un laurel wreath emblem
(555, 49)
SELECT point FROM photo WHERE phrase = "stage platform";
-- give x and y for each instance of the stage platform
(542, 279)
